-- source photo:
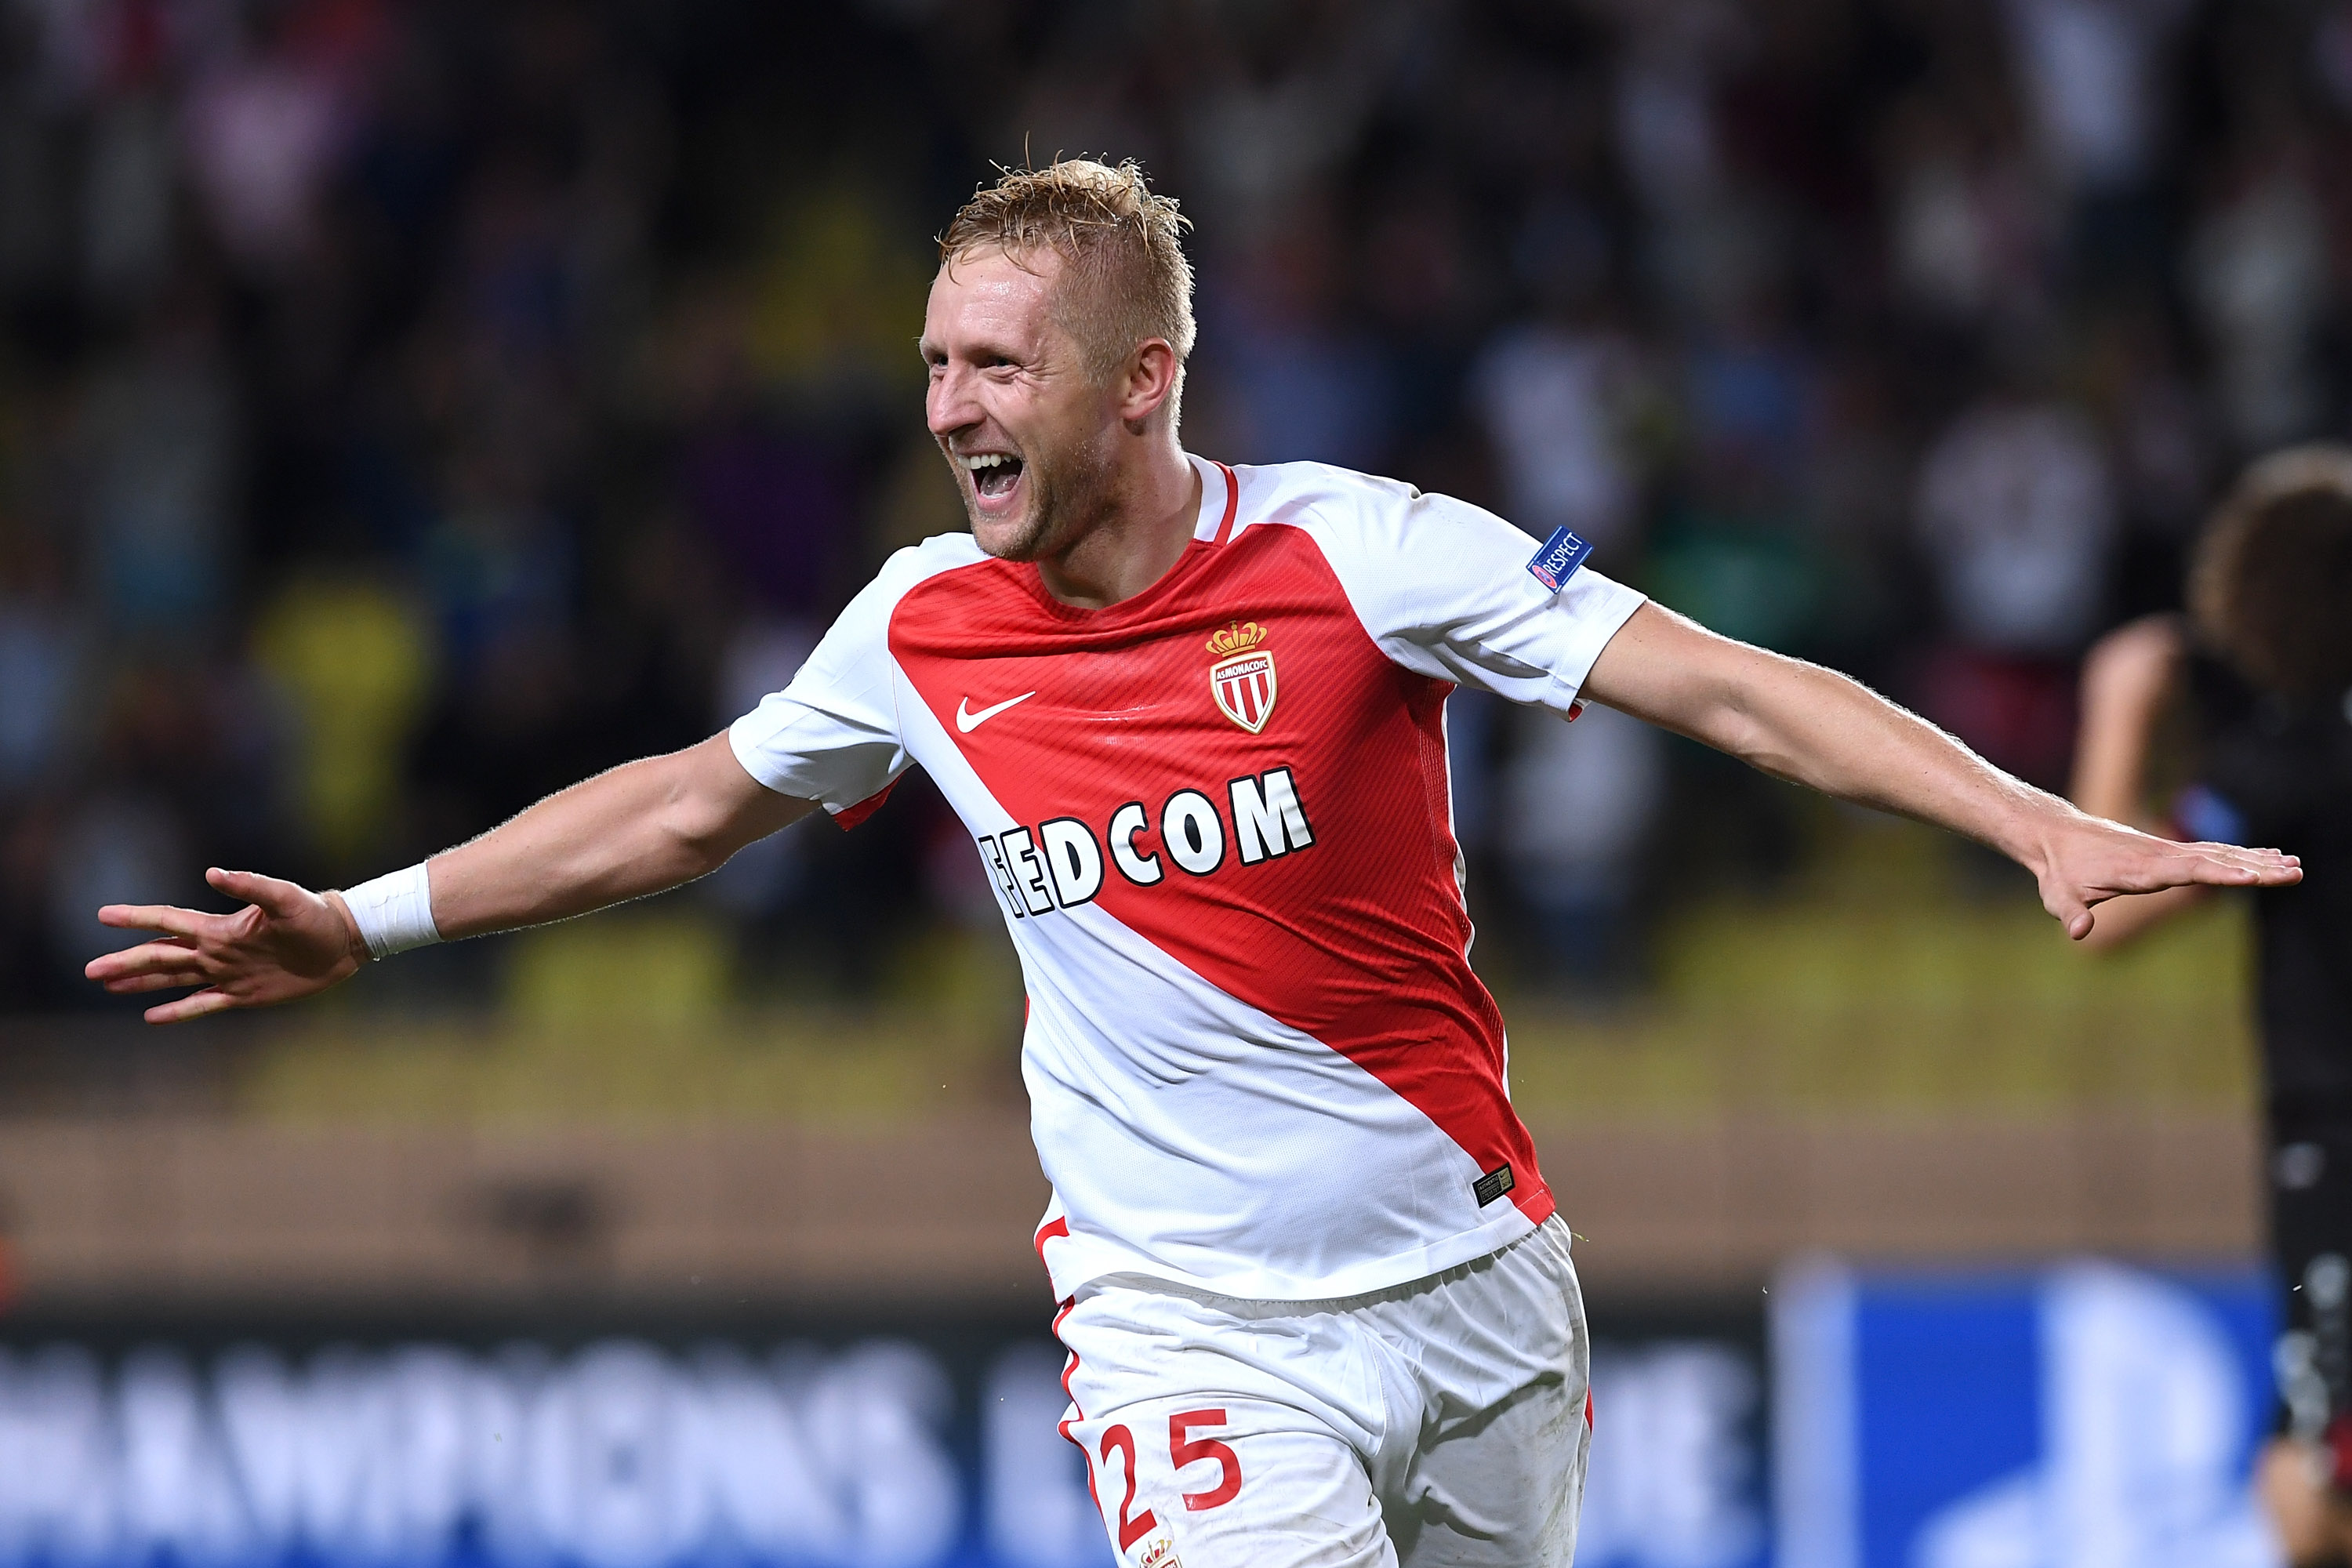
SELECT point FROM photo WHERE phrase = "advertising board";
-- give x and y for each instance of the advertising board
(912, 1444)
(2081, 1415)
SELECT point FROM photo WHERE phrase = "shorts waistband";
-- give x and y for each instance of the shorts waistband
(1553, 1231)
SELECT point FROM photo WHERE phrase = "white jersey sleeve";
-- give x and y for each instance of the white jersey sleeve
(833, 735)
(1444, 587)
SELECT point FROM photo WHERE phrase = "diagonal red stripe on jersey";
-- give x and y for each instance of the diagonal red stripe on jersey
(1359, 940)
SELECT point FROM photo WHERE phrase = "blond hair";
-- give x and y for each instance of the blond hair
(1125, 278)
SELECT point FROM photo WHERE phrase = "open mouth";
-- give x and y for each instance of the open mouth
(994, 475)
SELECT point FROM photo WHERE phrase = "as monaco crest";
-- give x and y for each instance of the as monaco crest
(1242, 680)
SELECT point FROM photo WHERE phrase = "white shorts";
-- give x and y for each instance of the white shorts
(1443, 1421)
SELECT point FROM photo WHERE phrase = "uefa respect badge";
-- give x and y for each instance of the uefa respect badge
(1557, 562)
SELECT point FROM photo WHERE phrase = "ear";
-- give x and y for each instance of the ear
(1144, 387)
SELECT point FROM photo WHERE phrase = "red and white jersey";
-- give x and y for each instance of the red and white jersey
(1216, 815)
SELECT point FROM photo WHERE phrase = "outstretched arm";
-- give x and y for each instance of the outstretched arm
(637, 830)
(1813, 726)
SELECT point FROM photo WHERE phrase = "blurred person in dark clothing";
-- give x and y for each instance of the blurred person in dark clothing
(178, 760)
(160, 446)
(2016, 514)
(2257, 269)
(2263, 666)
(2165, 445)
(1564, 396)
(45, 644)
(515, 731)
(1296, 374)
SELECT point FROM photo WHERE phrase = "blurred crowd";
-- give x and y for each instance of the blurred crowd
(406, 409)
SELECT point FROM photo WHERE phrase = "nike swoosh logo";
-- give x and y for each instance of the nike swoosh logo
(967, 720)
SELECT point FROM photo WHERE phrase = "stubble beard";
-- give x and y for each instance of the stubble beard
(1065, 497)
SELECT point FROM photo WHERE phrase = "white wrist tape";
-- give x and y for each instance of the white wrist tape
(394, 912)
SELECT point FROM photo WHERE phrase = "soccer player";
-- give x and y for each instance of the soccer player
(1318, 1307)
(2262, 668)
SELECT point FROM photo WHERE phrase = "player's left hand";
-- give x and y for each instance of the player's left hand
(2086, 860)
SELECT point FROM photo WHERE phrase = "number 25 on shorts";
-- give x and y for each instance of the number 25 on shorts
(1183, 1450)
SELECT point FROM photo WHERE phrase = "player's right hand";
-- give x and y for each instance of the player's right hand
(286, 942)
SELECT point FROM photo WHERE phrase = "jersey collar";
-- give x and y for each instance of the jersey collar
(1220, 498)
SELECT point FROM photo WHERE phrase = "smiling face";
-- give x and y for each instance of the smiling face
(1031, 436)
